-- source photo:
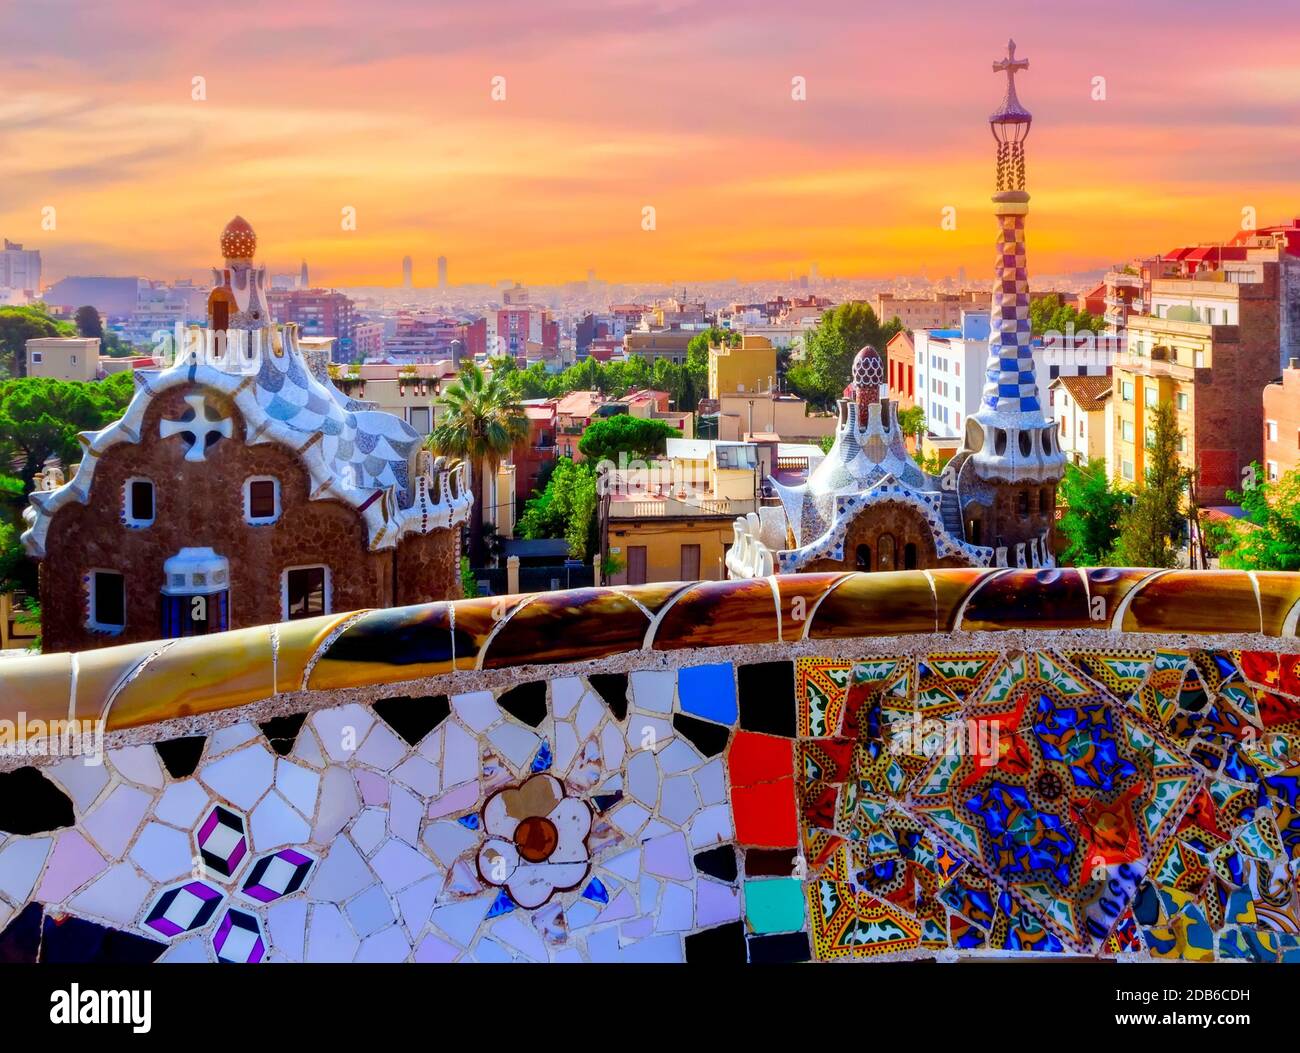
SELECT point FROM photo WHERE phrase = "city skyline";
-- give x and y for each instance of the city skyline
(321, 113)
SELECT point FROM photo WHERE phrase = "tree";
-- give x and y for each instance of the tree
(829, 351)
(40, 417)
(566, 508)
(640, 438)
(1094, 510)
(1269, 539)
(20, 324)
(1154, 521)
(1049, 313)
(88, 322)
(912, 422)
(482, 423)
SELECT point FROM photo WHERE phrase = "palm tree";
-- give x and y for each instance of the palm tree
(482, 423)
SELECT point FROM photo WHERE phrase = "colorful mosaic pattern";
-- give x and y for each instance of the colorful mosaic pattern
(1009, 379)
(1066, 800)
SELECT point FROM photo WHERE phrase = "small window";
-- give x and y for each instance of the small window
(1149, 396)
(1270, 427)
(909, 556)
(107, 601)
(262, 500)
(1272, 471)
(139, 511)
(38, 357)
(1024, 502)
(421, 418)
(863, 557)
(306, 592)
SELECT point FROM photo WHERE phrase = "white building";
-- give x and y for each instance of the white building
(20, 271)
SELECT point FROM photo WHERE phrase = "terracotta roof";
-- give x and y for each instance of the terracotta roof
(1089, 393)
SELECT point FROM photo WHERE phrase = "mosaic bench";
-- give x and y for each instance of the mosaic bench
(1100, 762)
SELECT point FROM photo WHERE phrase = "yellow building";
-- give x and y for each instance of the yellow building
(748, 366)
(63, 357)
(672, 521)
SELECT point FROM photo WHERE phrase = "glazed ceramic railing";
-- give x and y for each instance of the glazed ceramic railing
(937, 763)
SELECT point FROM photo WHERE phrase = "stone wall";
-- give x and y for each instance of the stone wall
(199, 504)
(927, 764)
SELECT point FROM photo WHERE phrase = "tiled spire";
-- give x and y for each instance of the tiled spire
(1009, 435)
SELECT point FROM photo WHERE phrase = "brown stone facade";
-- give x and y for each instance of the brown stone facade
(879, 538)
(201, 504)
(1020, 512)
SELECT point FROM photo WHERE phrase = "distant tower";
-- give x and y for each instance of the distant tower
(442, 272)
(303, 282)
(1011, 446)
(408, 269)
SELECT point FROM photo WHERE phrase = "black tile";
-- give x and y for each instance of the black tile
(707, 737)
(724, 945)
(21, 938)
(769, 862)
(527, 702)
(181, 756)
(72, 941)
(779, 949)
(413, 718)
(606, 801)
(282, 732)
(717, 862)
(767, 702)
(31, 804)
(612, 687)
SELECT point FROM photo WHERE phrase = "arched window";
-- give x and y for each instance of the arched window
(1024, 502)
(909, 556)
(885, 554)
(973, 531)
(864, 557)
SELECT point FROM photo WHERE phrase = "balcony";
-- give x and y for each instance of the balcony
(677, 508)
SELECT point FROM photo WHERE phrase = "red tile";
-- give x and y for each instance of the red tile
(756, 758)
(1260, 667)
(765, 814)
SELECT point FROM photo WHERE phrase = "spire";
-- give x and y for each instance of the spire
(1009, 436)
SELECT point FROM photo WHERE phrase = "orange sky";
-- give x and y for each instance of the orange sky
(613, 105)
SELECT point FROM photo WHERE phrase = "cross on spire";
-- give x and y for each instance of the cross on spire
(1011, 66)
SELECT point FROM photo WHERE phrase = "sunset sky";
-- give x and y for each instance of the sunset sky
(613, 105)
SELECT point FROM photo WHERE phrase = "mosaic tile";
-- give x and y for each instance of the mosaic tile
(1139, 798)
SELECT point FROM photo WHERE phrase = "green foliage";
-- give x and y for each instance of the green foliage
(481, 424)
(14, 569)
(468, 583)
(640, 438)
(912, 422)
(931, 463)
(829, 350)
(1152, 526)
(1270, 537)
(685, 385)
(40, 417)
(88, 322)
(1094, 510)
(565, 509)
(1047, 312)
(20, 324)
(826, 442)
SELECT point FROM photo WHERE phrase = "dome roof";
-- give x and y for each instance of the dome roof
(238, 240)
(868, 368)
